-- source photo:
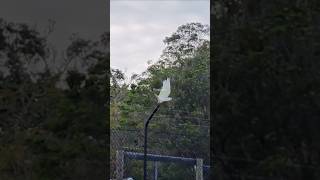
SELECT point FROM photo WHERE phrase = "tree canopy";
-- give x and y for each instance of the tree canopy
(51, 131)
(265, 89)
(181, 127)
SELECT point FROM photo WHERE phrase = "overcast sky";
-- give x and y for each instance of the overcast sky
(88, 18)
(138, 28)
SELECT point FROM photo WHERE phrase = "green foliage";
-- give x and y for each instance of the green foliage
(185, 60)
(266, 86)
(47, 132)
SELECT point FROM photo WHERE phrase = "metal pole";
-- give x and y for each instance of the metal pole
(155, 170)
(120, 163)
(145, 142)
(199, 169)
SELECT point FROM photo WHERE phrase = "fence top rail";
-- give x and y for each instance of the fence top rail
(162, 158)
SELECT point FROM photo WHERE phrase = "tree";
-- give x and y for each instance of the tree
(264, 82)
(181, 127)
(49, 132)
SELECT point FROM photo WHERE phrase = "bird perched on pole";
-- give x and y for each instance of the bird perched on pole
(165, 91)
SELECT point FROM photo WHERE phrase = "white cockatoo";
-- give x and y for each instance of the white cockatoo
(165, 91)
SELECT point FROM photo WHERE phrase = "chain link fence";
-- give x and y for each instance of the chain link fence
(167, 136)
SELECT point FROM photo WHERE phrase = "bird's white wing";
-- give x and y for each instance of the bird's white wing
(165, 91)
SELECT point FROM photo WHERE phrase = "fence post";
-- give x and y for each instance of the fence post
(199, 169)
(155, 170)
(120, 163)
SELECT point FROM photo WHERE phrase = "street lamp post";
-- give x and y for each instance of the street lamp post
(163, 97)
(146, 142)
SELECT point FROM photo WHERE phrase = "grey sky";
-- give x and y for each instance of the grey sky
(87, 18)
(138, 28)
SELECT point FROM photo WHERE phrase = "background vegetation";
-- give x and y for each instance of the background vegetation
(181, 126)
(52, 107)
(265, 89)
(266, 82)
